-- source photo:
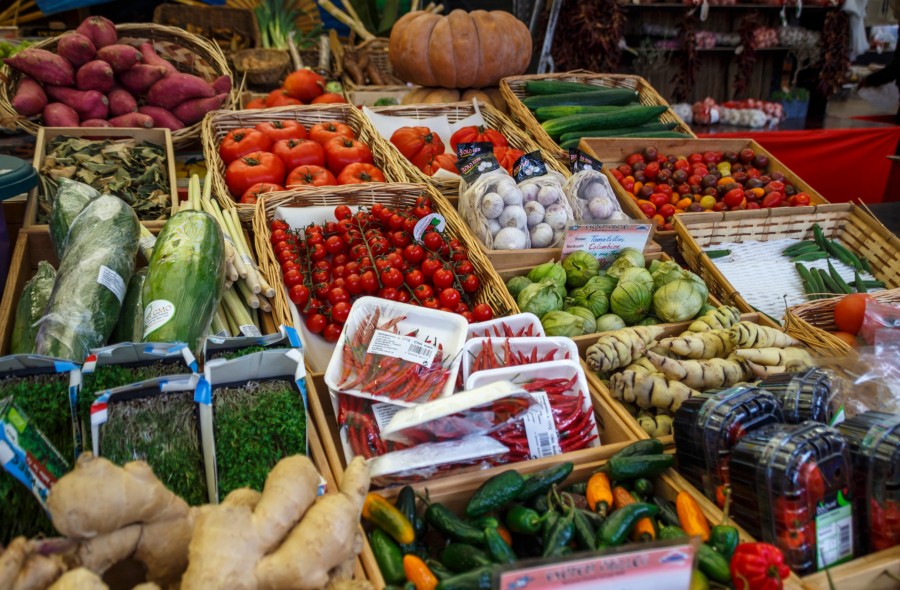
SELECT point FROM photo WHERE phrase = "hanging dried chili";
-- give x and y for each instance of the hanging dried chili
(588, 35)
(835, 46)
(747, 57)
(690, 59)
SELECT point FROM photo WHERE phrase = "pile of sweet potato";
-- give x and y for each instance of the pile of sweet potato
(94, 81)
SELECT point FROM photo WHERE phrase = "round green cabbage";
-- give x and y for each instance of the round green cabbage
(539, 298)
(704, 290)
(631, 302)
(590, 324)
(516, 284)
(637, 275)
(561, 323)
(580, 267)
(592, 298)
(609, 322)
(678, 301)
(548, 271)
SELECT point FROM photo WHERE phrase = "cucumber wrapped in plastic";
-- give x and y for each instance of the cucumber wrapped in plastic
(130, 327)
(71, 198)
(91, 281)
(32, 304)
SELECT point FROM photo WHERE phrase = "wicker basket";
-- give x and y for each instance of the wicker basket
(856, 229)
(513, 90)
(455, 112)
(262, 67)
(190, 53)
(218, 123)
(209, 19)
(378, 54)
(493, 291)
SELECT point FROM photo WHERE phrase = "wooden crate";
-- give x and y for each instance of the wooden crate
(858, 230)
(45, 135)
(613, 152)
(872, 572)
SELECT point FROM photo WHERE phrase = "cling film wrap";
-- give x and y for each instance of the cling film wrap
(482, 354)
(71, 198)
(91, 281)
(130, 327)
(358, 420)
(432, 460)
(32, 304)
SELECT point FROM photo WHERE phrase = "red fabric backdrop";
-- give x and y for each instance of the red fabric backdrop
(842, 164)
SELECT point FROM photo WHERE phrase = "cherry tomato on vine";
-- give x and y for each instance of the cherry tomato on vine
(299, 295)
(334, 245)
(322, 290)
(286, 256)
(433, 241)
(423, 292)
(442, 278)
(449, 297)
(389, 293)
(430, 267)
(469, 316)
(461, 307)
(315, 306)
(482, 312)
(279, 224)
(321, 275)
(368, 281)
(409, 224)
(279, 235)
(340, 311)
(470, 283)
(338, 294)
(289, 265)
(414, 253)
(403, 296)
(431, 303)
(391, 277)
(318, 252)
(465, 267)
(353, 284)
(293, 277)
(332, 333)
(395, 222)
(414, 278)
(342, 212)
(421, 211)
(400, 239)
(339, 271)
(315, 323)
(338, 283)
(314, 239)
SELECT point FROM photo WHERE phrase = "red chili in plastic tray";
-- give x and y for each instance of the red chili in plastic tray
(363, 433)
(487, 357)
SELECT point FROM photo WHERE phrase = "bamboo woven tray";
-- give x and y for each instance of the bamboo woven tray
(455, 112)
(190, 54)
(513, 90)
(855, 228)
(218, 123)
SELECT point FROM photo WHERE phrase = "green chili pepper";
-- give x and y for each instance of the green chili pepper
(497, 547)
(584, 531)
(559, 535)
(522, 520)
(623, 520)
(724, 539)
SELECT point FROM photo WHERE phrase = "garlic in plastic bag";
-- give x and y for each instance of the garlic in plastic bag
(588, 191)
(545, 202)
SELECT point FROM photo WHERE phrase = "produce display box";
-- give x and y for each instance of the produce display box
(513, 90)
(190, 53)
(368, 96)
(864, 573)
(613, 152)
(45, 135)
(218, 123)
(493, 118)
(856, 229)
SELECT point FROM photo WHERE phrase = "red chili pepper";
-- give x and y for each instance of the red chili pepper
(520, 332)
(507, 331)
(758, 566)
(549, 356)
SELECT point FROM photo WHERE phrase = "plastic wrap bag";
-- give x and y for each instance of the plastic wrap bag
(429, 460)
(31, 307)
(547, 211)
(358, 420)
(70, 199)
(482, 354)
(588, 190)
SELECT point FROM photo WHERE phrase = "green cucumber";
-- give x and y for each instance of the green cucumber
(477, 579)
(388, 556)
(546, 113)
(843, 254)
(624, 468)
(597, 98)
(494, 493)
(31, 307)
(541, 481)
(497, 547)
(713, 564)
(619, 524)
(650, 446)
(624, 117)
(130, 327)
(646, 127)
(544, 87)
(841, 283)
(82, 311)
(445, 521)
(185, 280)
(461, 557)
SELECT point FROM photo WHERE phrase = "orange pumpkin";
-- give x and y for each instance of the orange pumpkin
(460, 50)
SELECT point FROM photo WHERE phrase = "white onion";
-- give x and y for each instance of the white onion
(541, 236)
(491, 205)
(549, 194)
(513, 216)
(530, 191)
(494, 226)
(601, 208)
(510, 238)
(513, 197)
(556, 216)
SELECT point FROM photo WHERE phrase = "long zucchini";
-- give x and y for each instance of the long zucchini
(612, 96)
(91, 280)
(130, 327)
(546, 113)
(544, 87)
(646, 127)
(185, 279)
(32, 303)
(625, 117)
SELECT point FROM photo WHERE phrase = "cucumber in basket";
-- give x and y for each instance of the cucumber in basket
(559, 87)
(624, 117)
(130, 327)
(618, 132)
(32, 303)
(185, 279)
(610, 96)
(91, 281)
(546, 113)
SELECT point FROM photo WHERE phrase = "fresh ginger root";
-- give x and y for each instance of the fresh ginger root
(79, 579)
(720, 318)
(23, 567)
(700, 375)
(749, 335)
(791, 358)
(649, 390)
(616, 349)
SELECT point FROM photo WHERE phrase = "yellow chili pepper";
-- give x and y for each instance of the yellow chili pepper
(418, 572)
(599, 493)
(690, 516)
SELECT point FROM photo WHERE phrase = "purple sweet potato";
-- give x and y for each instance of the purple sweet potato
(132, 120)
(76, 48)
(56, 114)
(176, 88)
(141, 77)
(96, 123)
(222, 84)
(162, 117)
(120, 57)
(95, 75)
(121, 102)
(99, 30)
(30, 98)
(43, 66)
(151, 58)
(193, 110)
(89, 104)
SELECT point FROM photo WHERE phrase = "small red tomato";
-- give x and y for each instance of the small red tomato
(400, 239)
(469, 316)
(322, 290)
(299, 295)
(342, 212)
(340, 311)
(414, 278)
(332, 333)
(449, 298)
(734, 198)
(286, 256)
(315, 306)
(465, 267)
(279, 224)
(279, 235)
(800, 200)
(773, 199)
(403, 296)
(431, 303)
(293, 277)
(413, 253)
(433, 241)
(389, 293)
(391, 277)
(423, 292)
(482, 312)
(338, 294)
(470, 283)
(353, 284)
(442, 278)
(315, 323)
(334, 245)
(430, 267)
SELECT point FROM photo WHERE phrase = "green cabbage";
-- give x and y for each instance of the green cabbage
(539, 298)
(631, 302)
(591, 297)
(609, 322)
(580, 267)
(704, 290)
(516, 284)
(637, 275)
(561, 323)
(549, 270)
(678, 301)
(590, 324)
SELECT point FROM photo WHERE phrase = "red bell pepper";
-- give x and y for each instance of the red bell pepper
(758, 566)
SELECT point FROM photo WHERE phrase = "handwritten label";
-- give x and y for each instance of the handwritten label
(606, 240)
(435, 220)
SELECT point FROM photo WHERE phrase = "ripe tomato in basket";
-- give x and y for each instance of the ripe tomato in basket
(252, 169)
(241, 142)
(299, 152)
(277, 130)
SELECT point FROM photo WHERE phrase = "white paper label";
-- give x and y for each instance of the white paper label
(435, 220)
(147, 242)
(112, 281)
(543, 438)
(250, 330)
(156, 314)
(222, 334)
(834, 533)
(384, 413)
(403, 347)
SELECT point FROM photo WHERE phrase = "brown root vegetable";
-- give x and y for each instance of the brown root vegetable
(138, 79)
(121, 102)
(96, 123)
(79, 579)
(750, 335)
(43, 66)
(132, 120)
(699, 375)
(176, 88)
(89, 104)
(375, 78)
(649, 390)
(95, 75)
(76, 48)
(56, 114)
(618, 348)
(30, 98)
(151, 58)
(162, 117)
(101, 31)
(23, 566)
(193, 110)
(120, 57)
(222, 84)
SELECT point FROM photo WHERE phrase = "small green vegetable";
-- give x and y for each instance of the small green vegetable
(522, 520)
(584, 531)
(559, 534)
(445, 521)
(499, 550)
(858, 282)
(388, 556)
(842, 285)
(624, 468)
(622, 521)
(810, 256)
(713, 564)
(724, 539)
(477, 579)
(495, 492)
(461, 557)
(713, 254)
(651, 446)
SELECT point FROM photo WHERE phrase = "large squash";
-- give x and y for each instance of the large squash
(460, 50)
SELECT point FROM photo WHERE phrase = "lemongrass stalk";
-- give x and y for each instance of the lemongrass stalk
(236, 308)
(219, 325)
(266, 288)
(249, 297)
(265, 306)
(233, 327)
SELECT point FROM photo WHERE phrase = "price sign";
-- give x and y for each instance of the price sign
(605, 240)
(643, 568)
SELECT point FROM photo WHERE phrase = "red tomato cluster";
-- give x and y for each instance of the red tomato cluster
(281, 154)
(665, 186)
(373, 253)
(425, 149)
(300, 87)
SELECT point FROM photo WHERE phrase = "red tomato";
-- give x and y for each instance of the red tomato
(389, 293)
(286, 256)
(465, 267)
(507, 157)
(433, 241)
(342, 212)
(429, 164)
(400, 239)
(293, 277)
(470, 283)
(256, 103)
(329, 98)
(482, 312)
(800, 200)
(368, 281)
(253, 169)
(414, 253)
(340, 311)
(241, 142)
(315, 323)
(659, 199)
(275, 96)
(417, 142)
(304, 85)
(430, 267)
(391, 277)
(431, 303)
(253, 193)
(414, 278)
(442, 278)
(403, 296)
(734, 198)
(310, 176)
(299, 152)
(423, 292)
(278, 129)
(477, 134)
(353, 284)
(332, 332)
(338, 294)
(299, 295)
(449, 297)
(323, 132)
(334, 245)
(850, 312)
(773, 199)
(279, 224)
(667, 211)
(340, 152)
(359, 173)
